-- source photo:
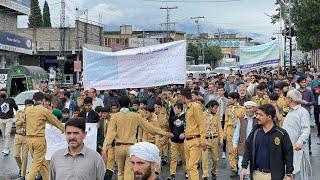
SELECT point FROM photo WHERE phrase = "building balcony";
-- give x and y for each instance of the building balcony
(17, 7)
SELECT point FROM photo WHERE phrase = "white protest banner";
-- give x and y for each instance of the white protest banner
(135, 68)
(56, 140)
(254, 57)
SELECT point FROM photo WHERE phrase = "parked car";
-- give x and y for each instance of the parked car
(20, 98)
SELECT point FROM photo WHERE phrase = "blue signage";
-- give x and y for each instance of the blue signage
(13, 42)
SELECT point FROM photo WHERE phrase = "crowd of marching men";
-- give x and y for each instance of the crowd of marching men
(215, 114)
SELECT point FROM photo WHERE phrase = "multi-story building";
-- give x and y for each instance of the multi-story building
(41, 46)
(14, 46)
(127, 38)
(47, 42)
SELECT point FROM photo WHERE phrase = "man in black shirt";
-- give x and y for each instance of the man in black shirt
(268, 148)
(6, 118)
(176, 126)
(88, 113)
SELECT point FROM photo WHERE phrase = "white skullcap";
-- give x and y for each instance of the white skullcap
(250, 103)
(145, 151)
(133, 92)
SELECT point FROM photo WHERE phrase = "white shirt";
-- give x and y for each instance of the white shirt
(297, 124)
(67, 105)
(236, 135)
(97, 102)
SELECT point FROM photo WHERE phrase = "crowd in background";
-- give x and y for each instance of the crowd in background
(227, 97)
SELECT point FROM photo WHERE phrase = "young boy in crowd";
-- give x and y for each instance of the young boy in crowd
(65, 115)
(176, 126)
(223, 103)
(102, 132)
(104, 117)
(88, 113)
(75, 114)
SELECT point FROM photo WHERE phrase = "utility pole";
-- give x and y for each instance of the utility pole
(288, 33)
(197, 21)
(61, 58)
(168, 22)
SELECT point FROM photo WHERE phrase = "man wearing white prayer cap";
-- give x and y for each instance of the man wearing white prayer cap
(244, 126)
(145, 160)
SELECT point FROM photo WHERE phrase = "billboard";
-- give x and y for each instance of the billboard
(16, 43)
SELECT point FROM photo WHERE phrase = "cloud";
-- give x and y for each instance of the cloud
(245, 15)
(108, 12)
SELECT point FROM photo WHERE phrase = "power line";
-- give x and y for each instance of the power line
(197, 21)
(168, 22)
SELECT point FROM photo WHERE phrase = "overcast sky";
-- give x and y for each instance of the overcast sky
(243, 15)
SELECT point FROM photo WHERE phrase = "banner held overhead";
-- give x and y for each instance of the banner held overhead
(135, 68)
(255, 57)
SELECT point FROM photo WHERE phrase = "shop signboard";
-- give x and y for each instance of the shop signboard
(15, 43)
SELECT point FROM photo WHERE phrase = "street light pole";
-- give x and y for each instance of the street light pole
(290, 53)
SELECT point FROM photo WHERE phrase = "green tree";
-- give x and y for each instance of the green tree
(280, 11)
(212, 54)
(46, 15)
(193, 51)
(35, 18)
(305, 17)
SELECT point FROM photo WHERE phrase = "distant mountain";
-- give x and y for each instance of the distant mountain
(190, 28)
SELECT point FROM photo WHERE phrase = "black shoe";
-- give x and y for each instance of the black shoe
(199, 166)
(108, 175)
(171, 177)
(234, 174)
(179, 163)
(214, 177)
(38, 177)
(164, 162)
(186, 175)
(205, 178)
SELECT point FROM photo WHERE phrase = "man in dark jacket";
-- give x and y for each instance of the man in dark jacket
(268, 148)
(88, 113)
(6, 118)
(176, 126)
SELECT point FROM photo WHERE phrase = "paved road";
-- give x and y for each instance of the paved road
(9, 169)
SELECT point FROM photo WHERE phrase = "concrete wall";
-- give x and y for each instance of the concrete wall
(8, 22)
(89, 34)
(48, 39)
